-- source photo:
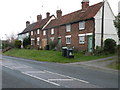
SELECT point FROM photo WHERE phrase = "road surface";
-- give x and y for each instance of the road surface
(25, 73)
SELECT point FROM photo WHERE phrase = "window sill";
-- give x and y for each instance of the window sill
(68, 43)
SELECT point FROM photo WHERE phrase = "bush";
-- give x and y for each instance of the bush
(98, 51)
(110, 46)
(52, 45)
(26, 42)
(18, 43)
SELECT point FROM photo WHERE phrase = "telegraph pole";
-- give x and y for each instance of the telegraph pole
(102, 25)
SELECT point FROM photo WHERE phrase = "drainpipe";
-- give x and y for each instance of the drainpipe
(102, 26)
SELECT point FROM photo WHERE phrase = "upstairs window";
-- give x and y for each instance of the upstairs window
(44, 32)
(38, 31)
(82, 25)
(52, 31)
(68, 28)
(31, 32)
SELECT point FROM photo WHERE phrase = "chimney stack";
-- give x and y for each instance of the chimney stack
(47, 15)
(85, 4)
(27, 23)
(59, 13)
(39, 18)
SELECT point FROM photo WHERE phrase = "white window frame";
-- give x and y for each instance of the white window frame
(68, 28)
(81, 39)
(38, 40)
(44, 32)
(52, 39)
(68, 37)
(38, 31)
(52, 31)
(32, 39)
(31, 32)
(81, 25)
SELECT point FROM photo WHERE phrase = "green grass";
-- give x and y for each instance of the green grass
(50, 56)
(114, 65)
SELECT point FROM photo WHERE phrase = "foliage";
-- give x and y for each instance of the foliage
(18, 43)
(52, 45)
(110, 46)
(98, 51)
(26, 42)
(117, 24)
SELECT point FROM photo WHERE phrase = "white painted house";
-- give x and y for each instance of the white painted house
(109, 28)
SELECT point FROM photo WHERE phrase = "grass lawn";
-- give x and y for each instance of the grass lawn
(114, 65)
(50, 56)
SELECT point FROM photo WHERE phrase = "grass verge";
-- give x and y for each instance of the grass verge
(114, 65)
(50, 56)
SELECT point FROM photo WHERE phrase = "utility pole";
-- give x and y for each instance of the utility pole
(102, 25)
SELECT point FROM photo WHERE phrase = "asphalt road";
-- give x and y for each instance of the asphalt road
(24, 73)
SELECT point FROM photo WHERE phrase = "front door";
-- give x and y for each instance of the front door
(89, 43)
(44, 43)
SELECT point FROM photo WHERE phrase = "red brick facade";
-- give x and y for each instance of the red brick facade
(56, 29)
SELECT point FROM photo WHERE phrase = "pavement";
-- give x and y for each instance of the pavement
(26, 73)
(101, 64)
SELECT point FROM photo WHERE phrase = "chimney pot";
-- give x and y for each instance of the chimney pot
(59, 13)
(27, 23)
(39, 18)
(47, 15)
(85, 4)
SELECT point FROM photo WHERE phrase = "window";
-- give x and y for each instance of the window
(68, 28)
(31, 32)
(52, 31)
(38, 41)
(44, 32)
(82, 39)
(32, 41)
(82, 25)
(68, 39)
(52, 39)
(38, 31)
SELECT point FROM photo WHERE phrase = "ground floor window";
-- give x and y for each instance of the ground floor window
(82, 39)
(32, 41)
(38, 41)
(68, 39)
(52, 39)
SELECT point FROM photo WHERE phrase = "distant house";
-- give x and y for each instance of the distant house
(33, 30)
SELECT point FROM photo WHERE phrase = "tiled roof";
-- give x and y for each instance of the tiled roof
(41, 23)
(90, 12)
(28, 29)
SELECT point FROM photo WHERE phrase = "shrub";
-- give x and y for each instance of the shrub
(98, 51)
(52, 45)
(18, 43)
(110, 46)
(26, 42)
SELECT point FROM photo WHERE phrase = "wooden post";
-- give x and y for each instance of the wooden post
(102, 27)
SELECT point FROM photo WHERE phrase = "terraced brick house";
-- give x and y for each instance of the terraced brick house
(34, 30)
(83, 29)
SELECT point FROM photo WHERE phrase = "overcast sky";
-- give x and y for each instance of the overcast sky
(14, 13)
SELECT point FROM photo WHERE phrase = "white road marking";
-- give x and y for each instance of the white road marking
(60, 79)
(67, 76)
(41, 79)
(34, 72)
(7, 67)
